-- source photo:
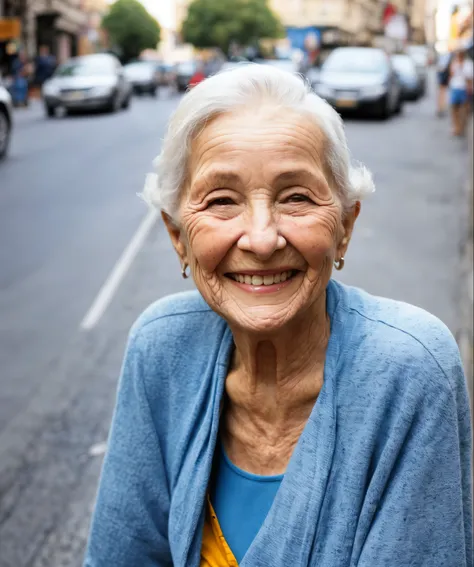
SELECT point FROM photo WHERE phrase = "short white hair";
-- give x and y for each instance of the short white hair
(239, 88)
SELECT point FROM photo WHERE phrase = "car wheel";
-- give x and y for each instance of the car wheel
(5, 132)
(50, 111)
(399, 106)
(114, 103)
(127, 101)
(383, 110)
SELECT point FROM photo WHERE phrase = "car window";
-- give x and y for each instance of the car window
(404, 64)
(85, 67)
(186, 68)
(356, 61)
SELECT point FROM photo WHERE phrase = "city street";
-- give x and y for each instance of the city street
(68, 211)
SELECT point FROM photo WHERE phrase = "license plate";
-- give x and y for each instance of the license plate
(76, 95)
(346, 103)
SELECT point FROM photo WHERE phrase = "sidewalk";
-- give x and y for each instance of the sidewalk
(465, 336)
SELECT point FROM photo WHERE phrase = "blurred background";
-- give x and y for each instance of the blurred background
(87, 87)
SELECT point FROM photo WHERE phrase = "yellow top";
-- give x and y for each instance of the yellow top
(215, 551)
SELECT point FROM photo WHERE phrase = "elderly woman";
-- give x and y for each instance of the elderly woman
(275, 417)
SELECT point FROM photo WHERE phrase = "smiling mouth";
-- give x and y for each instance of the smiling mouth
(263, 280)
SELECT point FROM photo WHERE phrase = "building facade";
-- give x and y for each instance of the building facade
(58, 24)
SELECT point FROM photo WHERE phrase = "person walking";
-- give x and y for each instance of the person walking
(443, 65)
(460, 87)
(20, 80)
(44, 66)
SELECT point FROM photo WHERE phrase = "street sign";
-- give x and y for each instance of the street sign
(10, 28)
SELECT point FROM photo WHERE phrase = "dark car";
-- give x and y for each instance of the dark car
(89, 82)
(143, 76)
(184, 72)
(406, 70)
(360, 79)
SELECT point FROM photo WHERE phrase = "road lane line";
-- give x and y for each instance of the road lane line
(112, 283)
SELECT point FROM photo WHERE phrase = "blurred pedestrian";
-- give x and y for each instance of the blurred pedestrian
(275, 413)
(444, 61)
(198, 76)
(45, 64)
(20, 72)
(461, 73)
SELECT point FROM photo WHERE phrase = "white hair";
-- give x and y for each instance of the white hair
(236, 89)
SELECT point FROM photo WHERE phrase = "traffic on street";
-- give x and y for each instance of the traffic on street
(83, 256)
(88, 96)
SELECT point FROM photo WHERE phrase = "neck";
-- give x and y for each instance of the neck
(274, 378)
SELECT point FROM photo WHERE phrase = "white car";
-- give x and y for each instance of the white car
(89, 82)
(143, 76)
(6, 120)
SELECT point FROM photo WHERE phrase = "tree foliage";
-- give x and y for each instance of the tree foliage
(219, 23)
(131, 28)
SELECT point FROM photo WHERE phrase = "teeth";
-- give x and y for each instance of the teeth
(263, 280)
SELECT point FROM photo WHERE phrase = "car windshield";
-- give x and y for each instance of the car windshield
(84, 67)
(186, 68)
(419, 54)
(140, 65)
(356, 61)
(404, 64)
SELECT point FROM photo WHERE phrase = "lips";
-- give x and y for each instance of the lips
(263, 280)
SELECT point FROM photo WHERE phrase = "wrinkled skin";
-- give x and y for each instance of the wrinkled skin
(259, 196)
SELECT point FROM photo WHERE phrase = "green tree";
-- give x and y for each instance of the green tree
(131, 28)
(219, 23)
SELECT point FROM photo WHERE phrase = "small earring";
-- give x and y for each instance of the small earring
(184, 267)
(339, 264)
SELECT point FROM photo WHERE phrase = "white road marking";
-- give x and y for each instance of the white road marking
(112, 283)
(98, 449)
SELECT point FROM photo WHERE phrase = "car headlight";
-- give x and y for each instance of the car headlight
(323, 90)
(374, 90)
(50, 89)
(103, 90)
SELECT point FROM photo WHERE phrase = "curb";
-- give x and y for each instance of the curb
(465, 334)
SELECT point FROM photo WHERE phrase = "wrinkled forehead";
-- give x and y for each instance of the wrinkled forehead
(259, 140)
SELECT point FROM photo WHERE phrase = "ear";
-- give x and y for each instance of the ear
(348, 222)
(176, 236)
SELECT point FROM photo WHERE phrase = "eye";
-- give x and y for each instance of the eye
(220, 202)
(298, 198)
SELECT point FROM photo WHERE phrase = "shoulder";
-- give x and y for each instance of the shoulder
(412, 338)
(179, 315)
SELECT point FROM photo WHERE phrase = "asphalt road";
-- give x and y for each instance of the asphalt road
(68, 209)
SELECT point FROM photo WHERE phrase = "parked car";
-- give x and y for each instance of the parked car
(184, 72)
(6, 120)
(89, 82)
(166, 74)
(143, 76)
(406, 70)
(360, 79)
(421, 54)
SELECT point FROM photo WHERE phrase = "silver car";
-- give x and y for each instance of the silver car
(90, 82)
(360, 79)
(6, 120)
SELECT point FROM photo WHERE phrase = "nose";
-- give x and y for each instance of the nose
(261, 235)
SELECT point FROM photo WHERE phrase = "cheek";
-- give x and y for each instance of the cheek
(209, 241)
(315, 236)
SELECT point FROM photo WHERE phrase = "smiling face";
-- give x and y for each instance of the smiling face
(260, 224)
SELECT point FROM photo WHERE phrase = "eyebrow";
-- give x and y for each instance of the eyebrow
(296, 175)
(221, 177)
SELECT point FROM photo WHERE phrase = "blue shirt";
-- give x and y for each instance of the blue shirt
(241, 501)
(380, 476)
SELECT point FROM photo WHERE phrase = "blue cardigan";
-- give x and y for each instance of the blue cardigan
(380, 475)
